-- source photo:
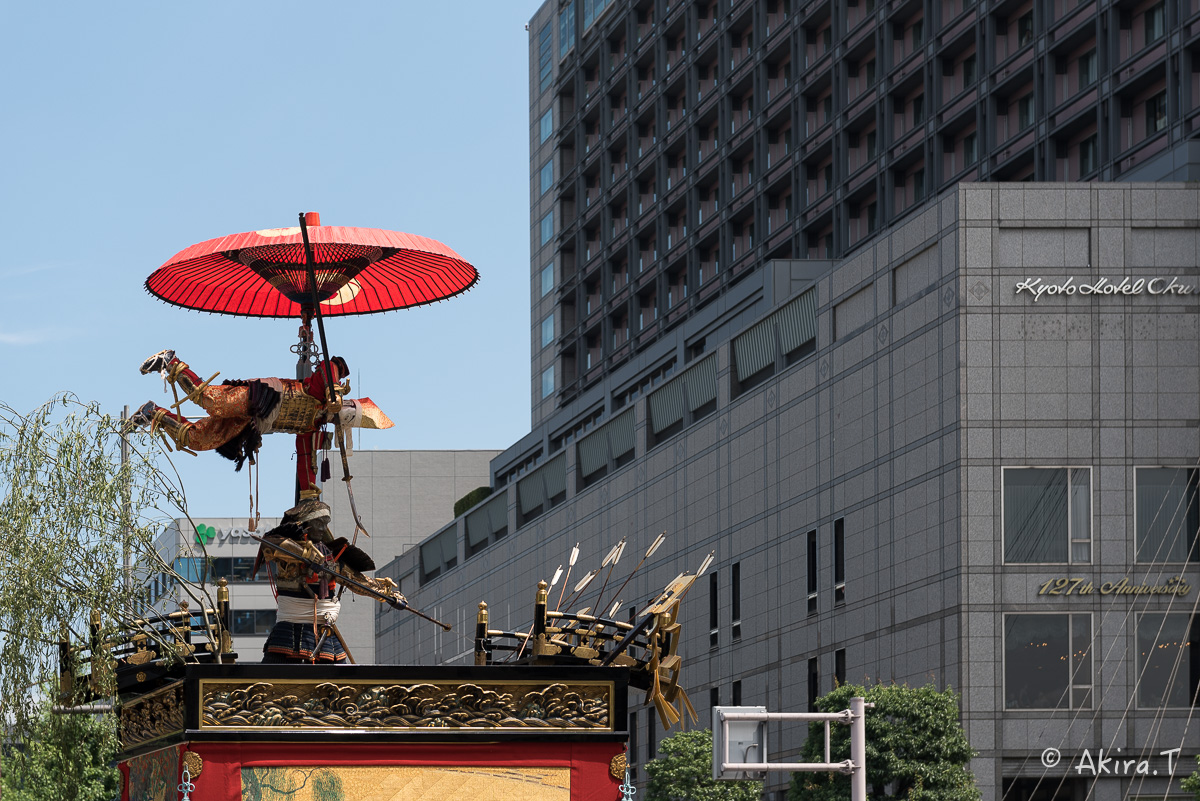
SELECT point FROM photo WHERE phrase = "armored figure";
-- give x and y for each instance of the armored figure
(240, 412)
(306, 625)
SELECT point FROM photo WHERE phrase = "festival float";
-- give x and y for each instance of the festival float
(541, 712)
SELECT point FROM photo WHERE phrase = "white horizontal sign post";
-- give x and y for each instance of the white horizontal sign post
(742, 731)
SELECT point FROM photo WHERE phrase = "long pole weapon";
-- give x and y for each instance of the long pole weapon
(390, 600)
(309, 261)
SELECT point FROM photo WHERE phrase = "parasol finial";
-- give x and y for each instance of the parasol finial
(312, 219)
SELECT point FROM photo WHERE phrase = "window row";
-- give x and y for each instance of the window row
(1048, 515)
(1049, 661)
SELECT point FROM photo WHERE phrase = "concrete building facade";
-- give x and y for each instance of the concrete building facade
(967, 453)
(401, 497)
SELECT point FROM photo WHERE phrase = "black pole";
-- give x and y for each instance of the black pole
(316, 306)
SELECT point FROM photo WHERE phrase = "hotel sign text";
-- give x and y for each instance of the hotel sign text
(1077, 586)
(1039, 287)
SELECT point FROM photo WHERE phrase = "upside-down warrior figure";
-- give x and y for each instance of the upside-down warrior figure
(240, 412)
(306, 626)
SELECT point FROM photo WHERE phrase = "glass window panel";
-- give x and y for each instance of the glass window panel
(548, 382)
(1036, 672)
(1035, 515)
(547, 330)
(1167, 654)
(1167, 515)
(545, 126)
(547, 279)
(1081, 661)
(546, 178)
(547, 228)
(264, 621)
(243, 621)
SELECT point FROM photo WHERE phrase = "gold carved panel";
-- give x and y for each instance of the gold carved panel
(424, 706)
(152, 716)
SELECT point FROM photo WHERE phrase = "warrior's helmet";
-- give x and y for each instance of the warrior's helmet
(313, 516)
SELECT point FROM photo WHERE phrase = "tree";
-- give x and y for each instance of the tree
(70, 510)
(65, 758)
(916, 748)
(683, 772)
(1191, 783)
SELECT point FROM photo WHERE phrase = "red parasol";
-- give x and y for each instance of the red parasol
(357, 270)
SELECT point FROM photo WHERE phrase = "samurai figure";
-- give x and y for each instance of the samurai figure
(306, 626)
(240, 412)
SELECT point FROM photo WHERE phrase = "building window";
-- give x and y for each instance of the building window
(1047, 515)
(918, 33)
(1048, 661)
(545, 56)
(546, 176)
(547, 228)
(546, 126)
(970, 68)
(1156, 23)
(542, 489)
(1168, 660)
(919, 185)
(918, 110)
(714, 609)
(252, 621)
(439, 553)
(487, 523)
(1166, 514)
(1089, 155)
(547, 330)
(1025, 112)
(970, 149)
(737, 693)
(839, 562)
(814, 684)
(1025, 29)
(606, 449)
(547, 382)
(839, 667)
(566, 28)
(1088, 69)
(682, 401)
(547, 279)
(735, 606)
(812, 572)
(1156, 113)
(782, 339)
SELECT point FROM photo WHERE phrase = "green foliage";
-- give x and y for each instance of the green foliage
(683, 772)
(66, 758)
(70, 510)
(916, 748)
(1191, 784)
(470, 499)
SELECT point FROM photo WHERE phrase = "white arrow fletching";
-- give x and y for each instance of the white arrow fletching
(557, 576)
(708, 560)
(614, 609)
(574, 555)
(586, 580)
(654, 546)
(613, 553)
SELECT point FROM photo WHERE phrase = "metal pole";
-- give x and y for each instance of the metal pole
(858, 749)
(127, 568)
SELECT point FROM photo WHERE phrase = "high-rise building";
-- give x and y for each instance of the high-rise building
(678, 144)
(790, 306)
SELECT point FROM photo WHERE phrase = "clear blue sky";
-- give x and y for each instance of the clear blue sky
(133, 130)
